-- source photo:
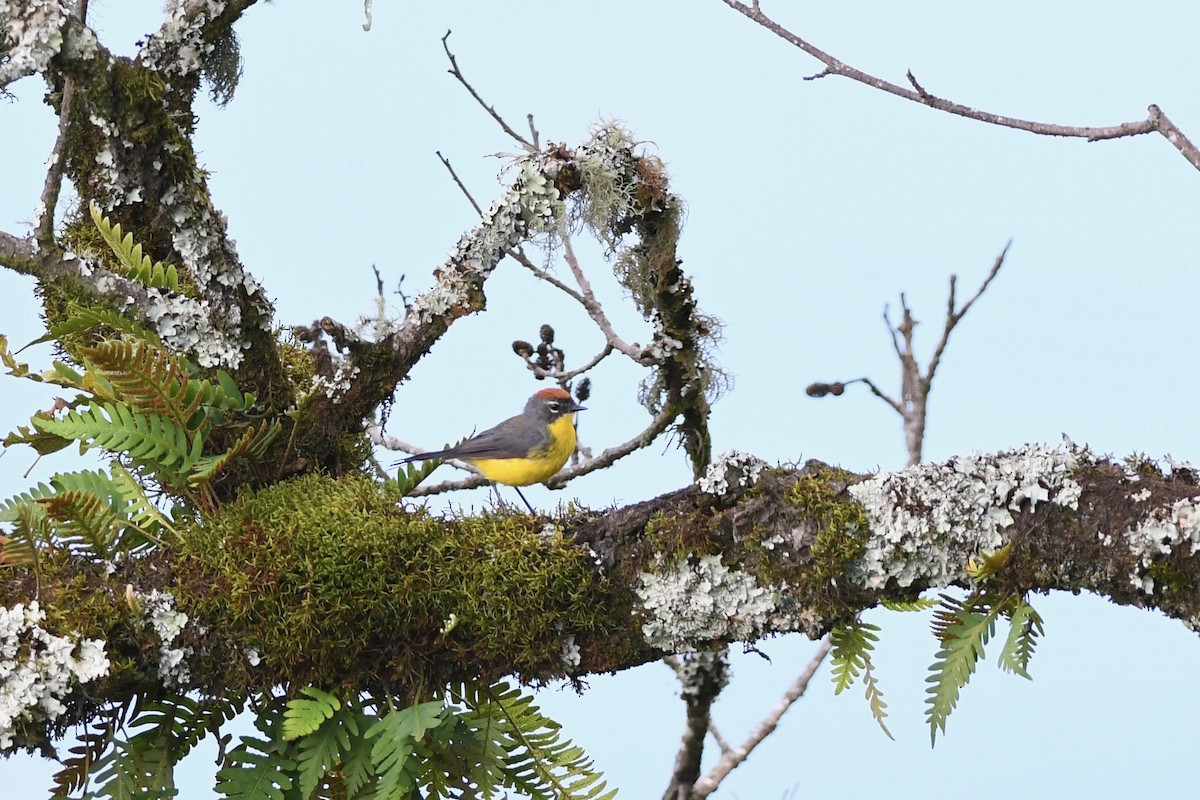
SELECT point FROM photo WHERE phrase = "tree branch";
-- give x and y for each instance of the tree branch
(733, 757)
(491, 110)
(1155, 122)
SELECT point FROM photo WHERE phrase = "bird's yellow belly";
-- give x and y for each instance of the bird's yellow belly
(537, 467)
(517, 471)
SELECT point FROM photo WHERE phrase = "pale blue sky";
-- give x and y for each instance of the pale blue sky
(810, 206)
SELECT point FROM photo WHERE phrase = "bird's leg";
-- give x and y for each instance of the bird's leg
(531, 511)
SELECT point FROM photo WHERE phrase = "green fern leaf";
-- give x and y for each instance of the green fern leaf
(252, 443)
(82, 319)
(10, 509)
(395, 737)
(148, 439)
(851, 654)
(140, 511)
(133, 264)
(325, 748)
(305, 716)
(875, 699)
(539, 762)
(253, 770)
(963, 641)
(357, 768)
(916, 604)
(1025, 627)
(138, 769)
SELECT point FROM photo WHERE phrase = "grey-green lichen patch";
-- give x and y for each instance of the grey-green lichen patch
(1163, 532)
(167, 622)
(928, 520)
(700, 600)
(731, 470)
(38, 669)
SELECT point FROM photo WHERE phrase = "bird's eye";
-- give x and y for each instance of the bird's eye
(554, 406)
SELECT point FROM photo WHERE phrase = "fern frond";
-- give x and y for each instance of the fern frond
(303, 716)
(916, 604)
(139, 510)
(395, 736)
(138, 769)
(133, 264)
(252, 443)
(149, 379)
(10, 509)
(254, 770)
(77, 769)
(1025, 626)
(539, 762)
(81, 319)
(963, 641)
(325, 748)
(851, 653)
(875, 699)
(147, 439)
(186, 721)
(84, 522)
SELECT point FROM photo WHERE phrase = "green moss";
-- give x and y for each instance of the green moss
(335, 584)
(840, 531)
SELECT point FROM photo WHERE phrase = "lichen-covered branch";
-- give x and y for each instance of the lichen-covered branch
(328, 581)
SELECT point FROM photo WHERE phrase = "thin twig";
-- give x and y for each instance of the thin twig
(458, 181)
(58, 155)
(954, 316)
(731, 758)
(457, 73)
(596, 311)
(1155, 122)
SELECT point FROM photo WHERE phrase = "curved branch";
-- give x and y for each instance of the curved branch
(1155, 122)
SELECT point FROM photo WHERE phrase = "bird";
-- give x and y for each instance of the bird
(522, 450)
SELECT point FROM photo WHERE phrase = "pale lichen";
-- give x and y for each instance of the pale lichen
(39, 669)
(700, 600)
(928, 520)
(733, 469)
(1163, 532)
(159, 610)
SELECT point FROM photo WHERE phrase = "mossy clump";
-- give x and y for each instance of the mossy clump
(333, 583)
(840, 528)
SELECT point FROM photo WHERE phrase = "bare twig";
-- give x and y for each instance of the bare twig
(491, 110)
(58, 155)
(595, 311)
(954, 316)
(731, 758)
(915, 387)
(458, 181)
(1155, 122)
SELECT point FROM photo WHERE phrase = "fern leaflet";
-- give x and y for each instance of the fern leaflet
(1025, 626)
(303, 716)
(133, 264)
(963, 633)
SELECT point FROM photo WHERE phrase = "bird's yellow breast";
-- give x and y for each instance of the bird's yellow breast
(540, 465)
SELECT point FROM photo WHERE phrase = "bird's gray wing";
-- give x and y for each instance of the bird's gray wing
(513, 438)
